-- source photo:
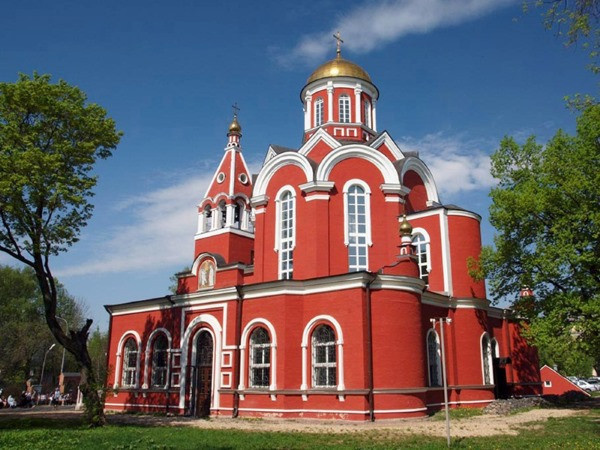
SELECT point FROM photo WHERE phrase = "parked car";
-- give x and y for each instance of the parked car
(595, 383)
(587, 386)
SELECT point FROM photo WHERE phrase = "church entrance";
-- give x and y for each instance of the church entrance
(201, 375)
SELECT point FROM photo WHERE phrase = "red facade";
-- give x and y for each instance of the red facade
(305, 300)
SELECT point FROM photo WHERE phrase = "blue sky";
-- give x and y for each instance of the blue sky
(454, 76)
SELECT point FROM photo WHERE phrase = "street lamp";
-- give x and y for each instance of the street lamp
(43, 367)
(443, 320)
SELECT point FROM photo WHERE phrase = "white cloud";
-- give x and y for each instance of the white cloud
(458, 164)
(158, 234)
(377, 23)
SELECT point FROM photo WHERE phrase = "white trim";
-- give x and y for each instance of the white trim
(250, 325)
(144, 405)
(419, 167)
(318, 186)
(226, 229)
(446, 259)
(367, 189)
(287, 188)
(439, 357)
(340, 350)
(281, 160)
(489, 359)
(385, 138)
(463, 402)
(329, 411)
(469, 214)
(185, 342)
(232, 171)
(387, 169)
(147, 355)
(118, 363)
(425, 234)
(310, 198)
(200, 257)
(318, 136)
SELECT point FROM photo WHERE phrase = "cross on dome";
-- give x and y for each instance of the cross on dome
(338, 38)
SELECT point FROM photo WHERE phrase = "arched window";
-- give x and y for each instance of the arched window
(324, 365)
(238, 215)
(260, 358)
(358, 230)
(130, 363)
(344, 104)
(486, 359)
(207, 218)
(319, 112)
(367, 112)
(160, 358)
(286, 231)
(222, 214)
(434, 358)
(421, 244)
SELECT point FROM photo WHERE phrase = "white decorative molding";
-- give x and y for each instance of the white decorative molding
(119, 361)
(367, 189)
(319, 135)
(243, 344)
(385, 138)
(148, 353)
(317, 186)
(419, 167)
(273, 165)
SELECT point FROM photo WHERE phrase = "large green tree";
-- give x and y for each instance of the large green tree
(546, 210)
(50, 139)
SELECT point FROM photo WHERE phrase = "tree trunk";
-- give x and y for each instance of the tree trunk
(75, 342)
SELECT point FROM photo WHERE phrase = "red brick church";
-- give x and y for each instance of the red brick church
(314, 284)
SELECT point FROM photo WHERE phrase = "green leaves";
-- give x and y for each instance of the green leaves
(49, 141)
(546, 209)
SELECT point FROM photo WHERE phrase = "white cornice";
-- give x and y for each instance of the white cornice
(223, 230)
(385, 138)
(259, 200)
(320, 186)
(320, 135)
(458, 212)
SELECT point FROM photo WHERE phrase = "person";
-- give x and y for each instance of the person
(12, 403)
(56, 397)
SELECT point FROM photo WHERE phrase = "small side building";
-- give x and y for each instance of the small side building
(553, 383)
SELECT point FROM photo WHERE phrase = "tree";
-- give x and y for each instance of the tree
(574, 20)
(546, 211)
(25, 336)
(50, 138)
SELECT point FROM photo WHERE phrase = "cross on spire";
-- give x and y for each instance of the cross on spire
(235, 108)
(338, 38)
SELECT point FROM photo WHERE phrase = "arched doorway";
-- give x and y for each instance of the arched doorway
(201, 375)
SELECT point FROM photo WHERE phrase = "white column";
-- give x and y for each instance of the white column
(373, 113)
(241, 384)
(357, 102)
(341, 385)
(200, 222)
(304, 385)
(117, 370)
(329, 101)
(307, 111)
(146, 367)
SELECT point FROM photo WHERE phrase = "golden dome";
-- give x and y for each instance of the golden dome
(405, 227)
(339, 67)
(234, 126)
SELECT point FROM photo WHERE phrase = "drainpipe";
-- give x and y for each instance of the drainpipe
(371, 397)
(238, 337)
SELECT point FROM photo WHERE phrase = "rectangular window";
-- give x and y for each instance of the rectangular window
(344, 105)
(286, 236)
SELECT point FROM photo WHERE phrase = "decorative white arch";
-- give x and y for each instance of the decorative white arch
(216, 329)
(276, 163)
(200, 257)
(385, 166)
(340, 347)
(438, 355)
(119, 361)
(251, 326)
(148, 352)
(486, 357)
(418, 166)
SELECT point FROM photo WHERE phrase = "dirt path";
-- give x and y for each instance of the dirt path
(484, 425)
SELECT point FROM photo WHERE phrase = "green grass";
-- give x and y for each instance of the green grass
(582, 432)
(458, 413)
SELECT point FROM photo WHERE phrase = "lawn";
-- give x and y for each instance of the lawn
(581, 432)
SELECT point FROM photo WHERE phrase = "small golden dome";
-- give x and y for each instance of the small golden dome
(234, 126)
(339, 67)
(405, 227)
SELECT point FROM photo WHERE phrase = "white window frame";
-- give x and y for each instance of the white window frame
(264, 323)
(149, 354)
(427, 243)
(438, 357)
(486, 358)
(290, 241)
(135, 371)
(367, 113)
(344, 108)
(262, 365)
(367, 234)
(319, 114)
(323, 365)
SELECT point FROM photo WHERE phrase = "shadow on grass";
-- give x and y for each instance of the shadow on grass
(40, 423)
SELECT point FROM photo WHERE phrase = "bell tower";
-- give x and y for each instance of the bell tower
(224, 215)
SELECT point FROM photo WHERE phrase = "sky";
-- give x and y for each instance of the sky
(454, 76)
